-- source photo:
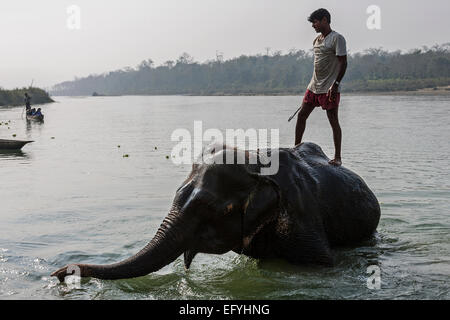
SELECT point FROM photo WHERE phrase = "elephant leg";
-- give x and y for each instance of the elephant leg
(309, 248)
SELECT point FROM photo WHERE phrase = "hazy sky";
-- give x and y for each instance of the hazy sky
(36, 42)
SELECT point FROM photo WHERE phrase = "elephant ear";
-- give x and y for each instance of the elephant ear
(262, 206)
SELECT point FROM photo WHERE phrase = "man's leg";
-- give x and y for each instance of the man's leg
(337, 135)
(304, 113)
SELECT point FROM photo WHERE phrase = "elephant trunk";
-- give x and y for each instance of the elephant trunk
(169, 242)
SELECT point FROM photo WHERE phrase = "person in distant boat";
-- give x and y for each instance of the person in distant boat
(27, 100)
(38, 112)
(32, 111)
(330, 64)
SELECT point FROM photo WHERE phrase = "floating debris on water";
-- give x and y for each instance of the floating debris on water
(14, 135)
(126, 156)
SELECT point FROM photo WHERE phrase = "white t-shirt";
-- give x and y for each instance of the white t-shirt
(326, 66)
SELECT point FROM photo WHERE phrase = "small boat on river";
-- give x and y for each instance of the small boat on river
(38, 118)
(12, 144)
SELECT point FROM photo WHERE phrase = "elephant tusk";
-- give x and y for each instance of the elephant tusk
(188, 257)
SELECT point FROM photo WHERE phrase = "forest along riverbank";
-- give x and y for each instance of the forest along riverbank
(15, 97)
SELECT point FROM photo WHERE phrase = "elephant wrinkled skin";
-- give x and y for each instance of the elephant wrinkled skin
(298, 214)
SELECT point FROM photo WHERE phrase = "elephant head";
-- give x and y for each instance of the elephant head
(218, 208)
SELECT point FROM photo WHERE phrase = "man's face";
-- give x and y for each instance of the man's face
(319, 25)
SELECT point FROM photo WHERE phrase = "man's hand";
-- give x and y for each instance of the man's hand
(332, 92)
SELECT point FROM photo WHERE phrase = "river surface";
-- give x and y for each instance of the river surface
(73, 196)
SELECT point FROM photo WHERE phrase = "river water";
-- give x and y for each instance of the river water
(72, 196)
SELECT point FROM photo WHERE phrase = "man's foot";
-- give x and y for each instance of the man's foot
(336, 162)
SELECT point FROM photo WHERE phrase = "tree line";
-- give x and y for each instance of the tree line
(269, 74)
(15, 97)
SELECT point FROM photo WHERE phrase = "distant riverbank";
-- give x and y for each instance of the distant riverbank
(15, 97)
(374, 71)
(425, 91)
(441, 90)
(445, 90)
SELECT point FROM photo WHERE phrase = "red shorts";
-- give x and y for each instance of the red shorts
(321, 99)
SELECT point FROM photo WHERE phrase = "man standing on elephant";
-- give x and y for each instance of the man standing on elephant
(330, 64)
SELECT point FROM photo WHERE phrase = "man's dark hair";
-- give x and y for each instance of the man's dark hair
(319, 14)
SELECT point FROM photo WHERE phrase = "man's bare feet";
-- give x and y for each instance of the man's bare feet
(336, 162)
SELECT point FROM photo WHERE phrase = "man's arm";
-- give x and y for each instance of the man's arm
(342, 60)
(342, 67)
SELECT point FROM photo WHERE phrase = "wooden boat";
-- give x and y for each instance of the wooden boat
(35, 118)
(12, 144)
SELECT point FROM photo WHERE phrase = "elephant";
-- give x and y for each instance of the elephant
(299, 214)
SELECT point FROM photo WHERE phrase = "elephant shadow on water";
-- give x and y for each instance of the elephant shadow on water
(299, 214)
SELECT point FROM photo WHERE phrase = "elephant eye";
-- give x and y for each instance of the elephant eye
(228, 208)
